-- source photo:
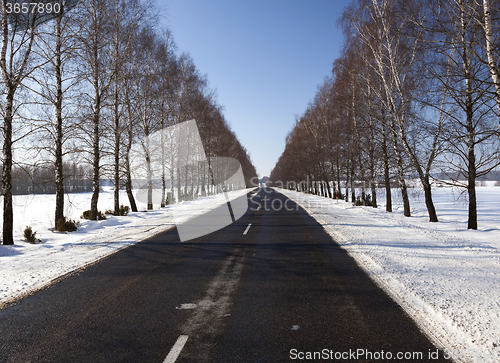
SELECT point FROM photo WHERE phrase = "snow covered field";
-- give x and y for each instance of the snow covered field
(25, 267)
(446, 277)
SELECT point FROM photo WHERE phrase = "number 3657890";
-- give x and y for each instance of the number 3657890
(26, 7)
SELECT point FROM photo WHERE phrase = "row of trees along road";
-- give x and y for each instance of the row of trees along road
(84, 84)
(414, 94)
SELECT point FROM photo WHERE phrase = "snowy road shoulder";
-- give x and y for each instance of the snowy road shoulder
(27, 267)
(447, 281)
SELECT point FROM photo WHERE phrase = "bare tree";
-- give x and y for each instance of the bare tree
(127, 18)
(397, 48)
(148, 87)
(94, 36)
(18, 36)
(57, 47)
(166, 60)
(467, 99)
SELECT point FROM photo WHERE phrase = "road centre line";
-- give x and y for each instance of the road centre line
(176, 349)
(246, 230)
(208, 323)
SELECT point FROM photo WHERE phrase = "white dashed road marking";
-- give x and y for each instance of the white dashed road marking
(208, 319)
(248, 227)
(186, 306)
(176, 349)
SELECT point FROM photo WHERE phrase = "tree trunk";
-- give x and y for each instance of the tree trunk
(95, 151)
(490, 47)
(163, 171)
(149, 176)
(424, 178)
(363, 192)
(401, 176)
(328, 188)
(347, 185)
(353, 189)
(428, 200)
(471, 189)
(95, 167)
(471, 157)
(172, 181)
(471, 135)
(128, 182)
(374, 194)
(362, 177)
(179, 191)
(371, 149)
(387, 174)
(58, 163)
(471, 180)
(339, 191)
(96, 130)
(149, 182)
(203, 181)
(116, 151)
(8, 218)
(163, 189)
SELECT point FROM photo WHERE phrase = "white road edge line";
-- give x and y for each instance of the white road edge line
(176, 349)
(248, 227)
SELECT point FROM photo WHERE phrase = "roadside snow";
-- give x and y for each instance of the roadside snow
(25, 267)
(445, 276)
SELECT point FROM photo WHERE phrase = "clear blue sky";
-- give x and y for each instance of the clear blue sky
(264, 58)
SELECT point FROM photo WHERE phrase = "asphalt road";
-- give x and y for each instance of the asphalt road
(280, 290)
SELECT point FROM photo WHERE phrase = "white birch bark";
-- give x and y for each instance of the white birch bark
(492, 62)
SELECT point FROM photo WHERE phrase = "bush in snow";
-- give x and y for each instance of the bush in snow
(66, 226)
(123, 211)
(100, 216)
(366, 202)
(30, 235)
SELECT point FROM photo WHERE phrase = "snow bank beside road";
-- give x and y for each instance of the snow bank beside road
(445, 277)
(26, 267)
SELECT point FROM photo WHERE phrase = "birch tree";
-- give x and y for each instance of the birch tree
(473, 147)
(397, 49)
(56, 46)
(94, 36)
(127, 18)
(18, 36)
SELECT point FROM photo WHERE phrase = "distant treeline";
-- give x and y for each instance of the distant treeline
(40, 179)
